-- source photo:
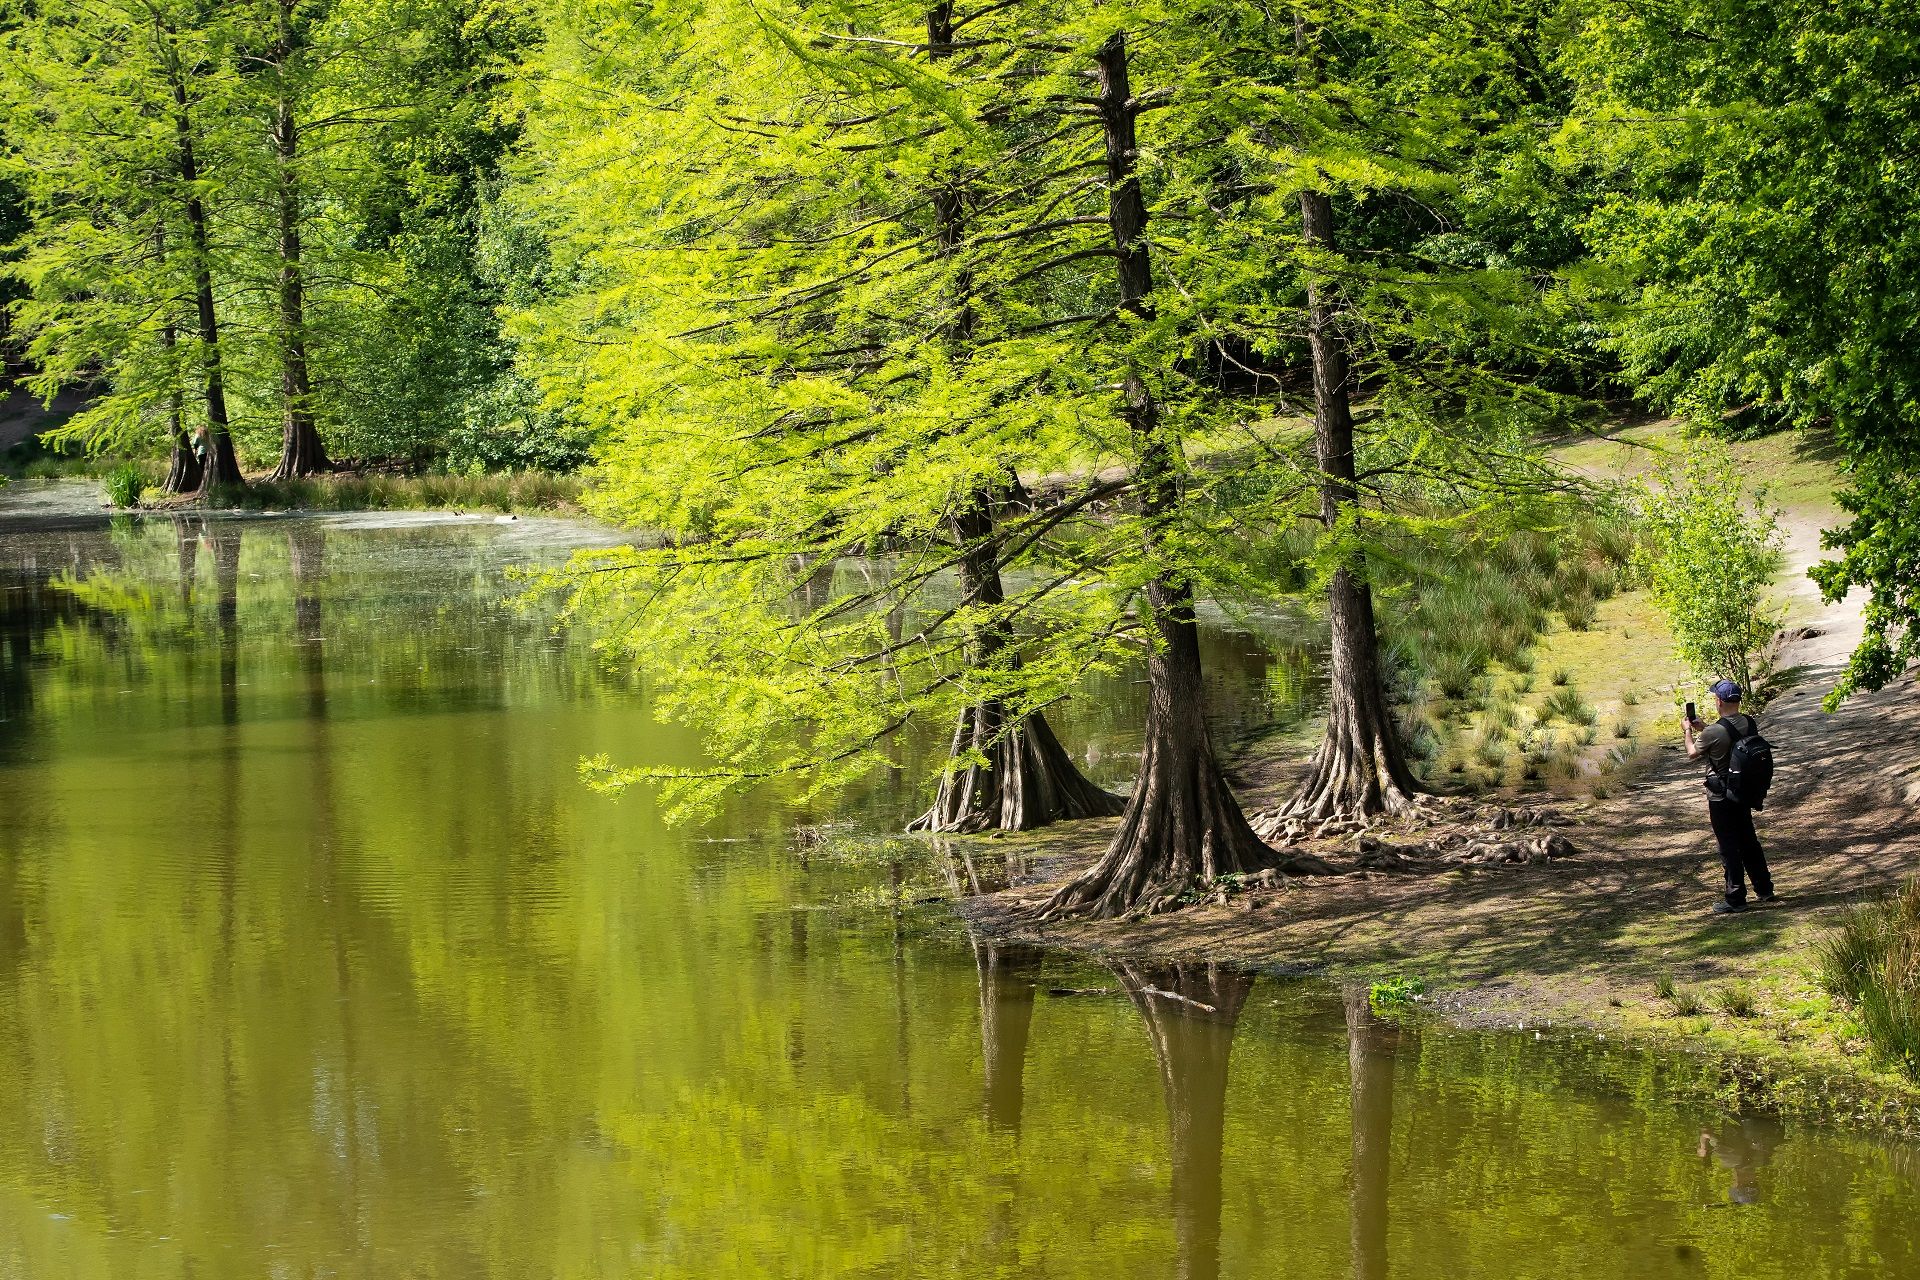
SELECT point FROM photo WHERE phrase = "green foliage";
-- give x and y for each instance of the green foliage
(803, 370)
(376, 491)
(1565, 703)
(1398, 992)
(1757, 262)
(123, 484)
(388, 138)
(1710, 549)
(1872, 959)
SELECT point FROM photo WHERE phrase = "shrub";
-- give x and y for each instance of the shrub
(1872, 960)
(1709, 552)
(123, 485)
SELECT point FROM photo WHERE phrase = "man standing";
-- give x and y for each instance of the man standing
(1732, 820)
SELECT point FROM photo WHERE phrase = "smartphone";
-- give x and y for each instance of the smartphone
(1692, 715)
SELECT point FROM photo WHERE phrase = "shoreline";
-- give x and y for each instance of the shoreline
(1578, 943)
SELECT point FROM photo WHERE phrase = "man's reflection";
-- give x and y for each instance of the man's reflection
(1191, 1011)
(1744, 1147)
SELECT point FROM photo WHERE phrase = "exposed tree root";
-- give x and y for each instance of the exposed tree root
(1182, 831)
(1028, 779)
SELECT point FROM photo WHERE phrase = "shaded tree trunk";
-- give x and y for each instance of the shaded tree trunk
(301, 450)
(1359, 770)
(183, 465)
(220, 465)
(1027, 779)
(1007, 976)
(1371, 1044)
(1182, 825)
(1191, 1011)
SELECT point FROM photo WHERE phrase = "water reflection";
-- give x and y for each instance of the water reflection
(1371, 1044)
(316, 960)
(1743, 1147)
(1190, 1011)
(1008, 973)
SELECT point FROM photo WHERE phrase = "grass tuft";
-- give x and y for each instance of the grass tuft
(1872, 960)
(1736, 1000)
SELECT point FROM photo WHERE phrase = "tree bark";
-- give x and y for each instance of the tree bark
(1371, 1044)
(1181, 826)
(1027, 779)
(220, 465)
(1192, 1039)
(1359, 770)
(183, 465)
(301, 450)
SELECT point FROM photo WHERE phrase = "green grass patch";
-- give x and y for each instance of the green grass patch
(1397, 992)
(1872, 960)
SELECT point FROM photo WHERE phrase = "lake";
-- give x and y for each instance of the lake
(317, 959)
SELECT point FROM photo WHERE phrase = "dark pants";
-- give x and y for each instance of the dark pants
(1740, 853)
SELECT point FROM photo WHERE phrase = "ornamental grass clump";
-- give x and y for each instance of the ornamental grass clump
(1872, 961)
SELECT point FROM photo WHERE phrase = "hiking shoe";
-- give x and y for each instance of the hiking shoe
(1767, 899)
(1724, 908)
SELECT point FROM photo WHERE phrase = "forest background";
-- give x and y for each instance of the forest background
(951, 353)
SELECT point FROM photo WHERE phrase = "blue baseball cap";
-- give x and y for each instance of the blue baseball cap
(1725, 690)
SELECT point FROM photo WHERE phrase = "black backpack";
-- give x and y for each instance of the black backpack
(1749, 770)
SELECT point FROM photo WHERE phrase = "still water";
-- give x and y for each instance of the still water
(317, 960)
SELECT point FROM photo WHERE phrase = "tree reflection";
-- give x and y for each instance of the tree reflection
(1007, 972)
(1191, 1011)
(1371, 1044)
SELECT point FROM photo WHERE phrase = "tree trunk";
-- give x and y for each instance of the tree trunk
(1007, 976)
(1191, 1011)
(301, 451)
(220, 465)
(1359, 770)
(1370, 1048)
(1028, 780)
(183, 465)
(1181, 826)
